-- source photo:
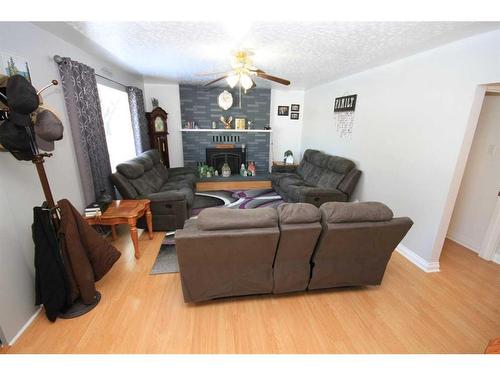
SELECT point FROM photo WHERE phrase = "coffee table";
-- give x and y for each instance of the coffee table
(126, 212)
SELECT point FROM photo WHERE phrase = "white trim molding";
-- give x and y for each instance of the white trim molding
(417, 259)
(24, 327)
(491, 239)
(496, 258)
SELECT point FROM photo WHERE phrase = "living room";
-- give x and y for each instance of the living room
(245, 184)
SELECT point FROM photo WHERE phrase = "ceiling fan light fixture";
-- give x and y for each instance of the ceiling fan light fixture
(246, 82)
(232, 80)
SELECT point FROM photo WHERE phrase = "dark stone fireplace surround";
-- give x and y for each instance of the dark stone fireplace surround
(234, 157)
(256, 145)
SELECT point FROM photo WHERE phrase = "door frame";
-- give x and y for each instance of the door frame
(477, 104)
(491, 239)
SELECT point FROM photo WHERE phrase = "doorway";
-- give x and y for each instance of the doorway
(476, 217)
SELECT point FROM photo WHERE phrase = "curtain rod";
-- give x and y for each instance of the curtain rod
(112, 80)
(58, 59)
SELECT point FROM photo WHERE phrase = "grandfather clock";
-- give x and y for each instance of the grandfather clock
(158, 132)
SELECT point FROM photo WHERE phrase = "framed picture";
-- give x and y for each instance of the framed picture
(295, 107)
(294, 115)
(11, 64)
(283, 110)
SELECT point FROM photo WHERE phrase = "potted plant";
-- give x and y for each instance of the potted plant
(288, 157)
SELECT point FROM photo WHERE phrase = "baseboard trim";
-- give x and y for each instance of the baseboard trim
(496, 258)
(24, 327)
(461, 241)
(417, 259)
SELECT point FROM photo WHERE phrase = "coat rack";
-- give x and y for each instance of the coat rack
(78, 308)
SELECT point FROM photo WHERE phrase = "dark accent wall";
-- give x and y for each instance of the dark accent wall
(199, 104)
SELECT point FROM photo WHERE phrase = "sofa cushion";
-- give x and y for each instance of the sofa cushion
(329, 179)
(350, 212)
(143, 185)
(229, 218)
(298, 213)
(278, 176)
(130, 169)
(145, 161)
(154, 178)
(154, 155)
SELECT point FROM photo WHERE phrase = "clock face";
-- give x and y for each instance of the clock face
(159, 124)
(225, 100)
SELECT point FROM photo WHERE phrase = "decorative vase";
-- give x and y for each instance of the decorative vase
(226, 170)
(251, 168)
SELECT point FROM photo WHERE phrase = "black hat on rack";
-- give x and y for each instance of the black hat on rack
(16, 140)
(22, 100)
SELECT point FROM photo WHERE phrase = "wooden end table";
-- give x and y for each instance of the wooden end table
(126, 212)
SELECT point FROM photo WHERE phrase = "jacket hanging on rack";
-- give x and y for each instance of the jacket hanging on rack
(51, 284)
(87, 255)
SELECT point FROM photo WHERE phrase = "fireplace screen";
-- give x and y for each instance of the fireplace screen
(216, 157)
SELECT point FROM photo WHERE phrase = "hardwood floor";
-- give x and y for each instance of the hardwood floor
(454, 311)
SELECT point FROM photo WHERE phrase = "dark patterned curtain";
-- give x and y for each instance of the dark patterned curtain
(138, 117)
(87, 128)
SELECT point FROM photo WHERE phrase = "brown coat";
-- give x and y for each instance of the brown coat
(87, 255)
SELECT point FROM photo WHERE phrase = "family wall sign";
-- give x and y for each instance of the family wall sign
(343, 108)
(345, 103)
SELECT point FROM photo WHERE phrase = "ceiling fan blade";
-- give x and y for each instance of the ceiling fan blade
(211, 74)
(261, 74)
(254, 84)
(217, 80)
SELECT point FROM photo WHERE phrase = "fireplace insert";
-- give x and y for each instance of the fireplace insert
(216, 157)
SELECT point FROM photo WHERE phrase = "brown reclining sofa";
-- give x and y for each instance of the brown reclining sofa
(229, 252)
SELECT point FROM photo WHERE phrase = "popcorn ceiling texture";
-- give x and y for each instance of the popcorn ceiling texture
(308, 54)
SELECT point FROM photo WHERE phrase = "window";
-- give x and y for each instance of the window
(117, 124)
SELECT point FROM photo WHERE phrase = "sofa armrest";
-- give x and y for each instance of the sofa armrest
(283, 169)
(165, 196)
(181, 170)
(350, 181)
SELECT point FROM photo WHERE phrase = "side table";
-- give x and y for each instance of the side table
(125, 212)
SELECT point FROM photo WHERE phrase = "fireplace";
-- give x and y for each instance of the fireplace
(216, 157)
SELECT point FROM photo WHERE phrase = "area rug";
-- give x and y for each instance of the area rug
(166, 261)
(240, 199)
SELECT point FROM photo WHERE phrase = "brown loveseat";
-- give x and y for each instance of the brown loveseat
(229, 252)
(318, 179)
(171, 190)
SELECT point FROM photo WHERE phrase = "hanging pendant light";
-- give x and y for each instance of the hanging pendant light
(246, 82)
(232, 80)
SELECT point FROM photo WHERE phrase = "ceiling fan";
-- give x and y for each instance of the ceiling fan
(243, 72)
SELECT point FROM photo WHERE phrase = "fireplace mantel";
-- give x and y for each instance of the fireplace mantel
(228, 130)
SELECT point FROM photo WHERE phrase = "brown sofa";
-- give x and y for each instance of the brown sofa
(170, 190)
(318, 179)
(299, 232)
(356, 244)
(230, 252)
(227, 252)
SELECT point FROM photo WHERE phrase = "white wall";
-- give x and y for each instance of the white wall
(20, 188)
(481, 182)
(410, 130)
(169, 99)
(286, 133)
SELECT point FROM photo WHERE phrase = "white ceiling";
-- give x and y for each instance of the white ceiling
(307, 54)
